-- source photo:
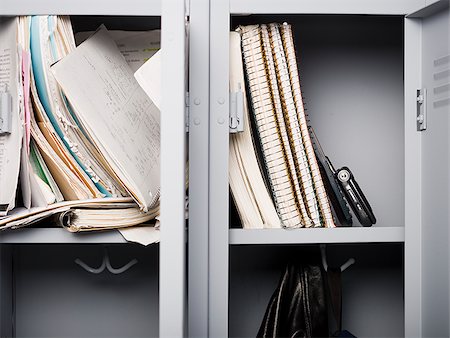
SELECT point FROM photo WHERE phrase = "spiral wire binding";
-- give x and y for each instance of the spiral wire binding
(282, 126)
(283, 129)
(324, 204)
(294, 131)
(274, 157)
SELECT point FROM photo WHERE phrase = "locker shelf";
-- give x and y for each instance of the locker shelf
(374, 234)
(383, 7)
(58, 236)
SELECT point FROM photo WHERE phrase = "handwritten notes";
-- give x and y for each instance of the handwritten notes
(120, 118)
(10, 144)
(136, 46)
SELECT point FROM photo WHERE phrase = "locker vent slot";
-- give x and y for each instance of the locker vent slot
(441, 76)
(445, 60)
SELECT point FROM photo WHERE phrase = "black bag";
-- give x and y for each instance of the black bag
(334, 279)
(298, 306)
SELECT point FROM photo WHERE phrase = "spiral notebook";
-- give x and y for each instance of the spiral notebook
(281, 130)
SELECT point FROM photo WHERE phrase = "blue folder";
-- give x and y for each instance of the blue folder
(38, 70)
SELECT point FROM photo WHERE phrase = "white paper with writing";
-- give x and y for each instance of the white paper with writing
(119, 116)
(136, 46)
(10, 144)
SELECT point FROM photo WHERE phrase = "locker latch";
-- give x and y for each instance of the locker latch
(5, 112)
(421, 117)
(237, 111)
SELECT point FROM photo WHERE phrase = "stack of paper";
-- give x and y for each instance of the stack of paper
(81, 128)
(10, 88)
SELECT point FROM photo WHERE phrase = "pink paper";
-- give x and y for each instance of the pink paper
(26, 94)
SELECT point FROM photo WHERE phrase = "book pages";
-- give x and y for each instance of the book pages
(253, 201)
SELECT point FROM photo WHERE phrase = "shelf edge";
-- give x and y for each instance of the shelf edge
(318, 235)
(58, 236)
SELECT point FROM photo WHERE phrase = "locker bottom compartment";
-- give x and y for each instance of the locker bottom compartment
(52, 296)
(372, 288)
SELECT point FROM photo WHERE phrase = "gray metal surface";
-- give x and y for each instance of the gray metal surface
(54, 297)
(198, 168)
(6, 291)
(435, 176)
(432, 7)
(80, 7)
(325, 6)
(318, 235)
(413, 172)
(218, 169)
(172, 286)
(58, 236)
(351, 71)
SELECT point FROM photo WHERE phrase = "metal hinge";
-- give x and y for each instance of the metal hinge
(421, 118)
(186, 111)
(5, 112)
(237, 111)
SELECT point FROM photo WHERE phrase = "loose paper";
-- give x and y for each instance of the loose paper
(10, 144)
(116, 112)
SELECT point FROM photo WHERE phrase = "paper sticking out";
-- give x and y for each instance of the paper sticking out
(144, 235)
(149, 78)
(136, 47)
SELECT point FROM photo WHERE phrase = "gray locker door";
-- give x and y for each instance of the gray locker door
(435, 173)
(172, 250)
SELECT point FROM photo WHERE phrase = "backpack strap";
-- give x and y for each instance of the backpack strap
(335, 291)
